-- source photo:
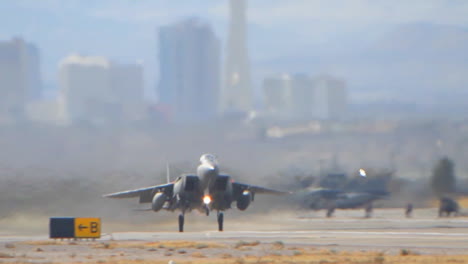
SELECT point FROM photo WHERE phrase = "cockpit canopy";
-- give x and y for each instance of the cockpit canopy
(209, 158)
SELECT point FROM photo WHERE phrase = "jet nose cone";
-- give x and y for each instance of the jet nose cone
(207, 170)
(211, 169)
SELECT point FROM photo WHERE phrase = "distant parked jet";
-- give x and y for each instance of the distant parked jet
(332, 199)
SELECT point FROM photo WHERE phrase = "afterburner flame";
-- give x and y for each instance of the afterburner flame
(206, 199)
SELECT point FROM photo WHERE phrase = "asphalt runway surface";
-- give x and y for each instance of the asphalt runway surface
(387, 231)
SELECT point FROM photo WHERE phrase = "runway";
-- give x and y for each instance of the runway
(427, 240)
(388, 231)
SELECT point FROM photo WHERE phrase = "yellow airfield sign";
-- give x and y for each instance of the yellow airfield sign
(87, 227)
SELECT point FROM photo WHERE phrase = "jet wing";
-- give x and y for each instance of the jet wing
(146, 194)
(323, 193)
(238, 188)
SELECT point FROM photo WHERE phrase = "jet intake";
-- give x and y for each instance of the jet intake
(158, 201)
(244, 200)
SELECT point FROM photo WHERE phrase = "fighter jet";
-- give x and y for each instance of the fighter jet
(206, 191)
(331, 199)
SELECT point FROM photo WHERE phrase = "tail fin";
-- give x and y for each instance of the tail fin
(168, 175)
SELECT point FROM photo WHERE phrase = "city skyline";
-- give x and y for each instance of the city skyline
(424, 41)
(96, 89)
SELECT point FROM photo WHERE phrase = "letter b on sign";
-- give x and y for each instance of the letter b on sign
(87, 227)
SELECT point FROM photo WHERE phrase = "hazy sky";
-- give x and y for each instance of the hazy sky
(125, 30)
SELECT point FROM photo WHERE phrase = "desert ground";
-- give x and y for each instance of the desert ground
(281, 237)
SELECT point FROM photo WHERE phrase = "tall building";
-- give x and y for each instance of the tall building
(189, 58)
(330, 98)
(302, 96)
(277, 91)
(289, 97)
(20, 80)
(99, 91)
(299, 97)
(127, 89)
(237, 95)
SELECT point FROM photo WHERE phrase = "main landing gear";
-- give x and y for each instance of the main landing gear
(220, 221)
(181, 222)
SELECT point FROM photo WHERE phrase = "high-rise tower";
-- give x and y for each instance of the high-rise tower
(237, 93)
(189, 57)
(97, 90)
(20, 80)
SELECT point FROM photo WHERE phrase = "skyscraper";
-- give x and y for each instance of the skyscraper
(127, 88)
(302, 96)
(97, 90)
(20, 79)
(330, 99)
(288, 96)
(277, 91)
(189, 58)
(299, 97)
(237, 93)
(84, 81)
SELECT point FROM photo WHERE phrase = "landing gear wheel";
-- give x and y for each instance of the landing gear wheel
(368, 210)
(220, 221)
(181, 223)
(207, 211)
(330, 211)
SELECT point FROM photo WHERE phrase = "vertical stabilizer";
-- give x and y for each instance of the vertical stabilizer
(168, 173)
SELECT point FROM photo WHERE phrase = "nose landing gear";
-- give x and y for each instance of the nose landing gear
(220, 221)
